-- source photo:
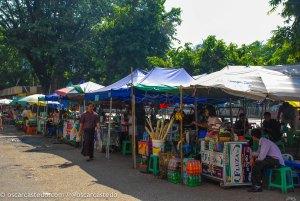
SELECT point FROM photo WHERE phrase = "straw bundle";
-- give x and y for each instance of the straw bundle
(161, 130)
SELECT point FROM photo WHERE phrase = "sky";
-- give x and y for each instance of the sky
(238, 21)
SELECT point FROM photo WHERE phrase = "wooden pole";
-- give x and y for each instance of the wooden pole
(245, 114)
(231, 115)
(133, 122)
(181, 130)
(84, 105)
(109, 128)
(196, 109)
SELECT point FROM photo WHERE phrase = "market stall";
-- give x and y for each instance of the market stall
(226, 162)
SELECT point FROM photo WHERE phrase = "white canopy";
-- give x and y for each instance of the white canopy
(5, 101)
(254, 82)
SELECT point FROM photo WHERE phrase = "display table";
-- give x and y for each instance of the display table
(70, 130)
(41, 123)
(230, 165)
(114, 135)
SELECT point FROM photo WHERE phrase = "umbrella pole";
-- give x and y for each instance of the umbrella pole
(230, 110)
(181, 130)
(244, 105)
(133, 122)
(84, 105)
(109, 128)
(37, 116)
(196, 109)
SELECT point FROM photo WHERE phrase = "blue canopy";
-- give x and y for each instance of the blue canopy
(52, 97)
(118, 90)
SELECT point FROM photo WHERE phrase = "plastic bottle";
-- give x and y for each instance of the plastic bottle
(193, 167)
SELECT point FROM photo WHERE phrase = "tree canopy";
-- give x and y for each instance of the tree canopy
(54, 42)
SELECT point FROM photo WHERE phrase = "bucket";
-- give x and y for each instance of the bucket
(157, 146)
(202, 134)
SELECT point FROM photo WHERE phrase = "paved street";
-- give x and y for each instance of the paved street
(34, 164)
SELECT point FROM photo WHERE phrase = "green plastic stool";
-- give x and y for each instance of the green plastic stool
(126, 147)
(282, 179)
(153, 165)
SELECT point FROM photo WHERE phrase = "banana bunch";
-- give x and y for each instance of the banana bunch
(178, 116)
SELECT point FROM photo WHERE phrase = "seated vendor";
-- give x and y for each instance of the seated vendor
(271, 127)
(268, 156)
(241, 126)
(213, 123)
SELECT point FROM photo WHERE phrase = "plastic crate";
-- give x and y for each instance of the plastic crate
(174, 177)
(31, 130)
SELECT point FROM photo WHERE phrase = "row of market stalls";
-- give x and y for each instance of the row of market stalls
(168, 144)
(219, 155)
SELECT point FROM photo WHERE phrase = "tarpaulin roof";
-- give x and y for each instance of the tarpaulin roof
(119, 89)
(290, 70)
(254, 82)
(165, 80)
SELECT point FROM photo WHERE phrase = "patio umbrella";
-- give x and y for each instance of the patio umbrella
(32, 100)
(79, 89)
(83, 88)
(5, 101)
(253, 82)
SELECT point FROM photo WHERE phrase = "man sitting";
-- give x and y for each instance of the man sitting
(268, 156)
(272, 127)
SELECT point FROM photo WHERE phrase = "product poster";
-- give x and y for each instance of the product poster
(236, 163)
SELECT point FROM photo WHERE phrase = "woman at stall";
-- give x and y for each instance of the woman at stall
(241, 126)
(212, 122)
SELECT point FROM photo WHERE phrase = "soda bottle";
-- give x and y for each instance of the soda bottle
(198, 167)
(193, 171)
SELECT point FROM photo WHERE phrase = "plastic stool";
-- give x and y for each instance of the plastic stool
(284, 181)
(296, 179)
(153, 165)
(126, 147)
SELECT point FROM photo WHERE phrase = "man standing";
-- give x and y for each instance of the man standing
(268, 156)
(287, 114)
(89, 121)
(272, 127)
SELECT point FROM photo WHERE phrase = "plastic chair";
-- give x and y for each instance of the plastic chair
(153, 165)
(126, 147)
(287, 157)
(282, 179)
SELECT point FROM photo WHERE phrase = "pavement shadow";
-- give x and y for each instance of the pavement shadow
(118, 173)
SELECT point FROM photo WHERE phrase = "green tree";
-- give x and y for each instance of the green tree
(289, 35)
(213, 55)
(13, 69)
(53, 36)
(134, 31)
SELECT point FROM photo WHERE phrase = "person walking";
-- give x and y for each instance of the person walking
(89, 122)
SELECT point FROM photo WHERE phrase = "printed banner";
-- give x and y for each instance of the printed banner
(236, 163)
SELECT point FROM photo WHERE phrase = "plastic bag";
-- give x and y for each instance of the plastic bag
(98, 141)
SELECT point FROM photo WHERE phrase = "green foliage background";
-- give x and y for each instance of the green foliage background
(54, 42)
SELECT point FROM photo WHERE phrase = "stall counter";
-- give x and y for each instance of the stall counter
(230, 166)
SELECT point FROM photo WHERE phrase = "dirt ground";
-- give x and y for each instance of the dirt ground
(36, 168)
